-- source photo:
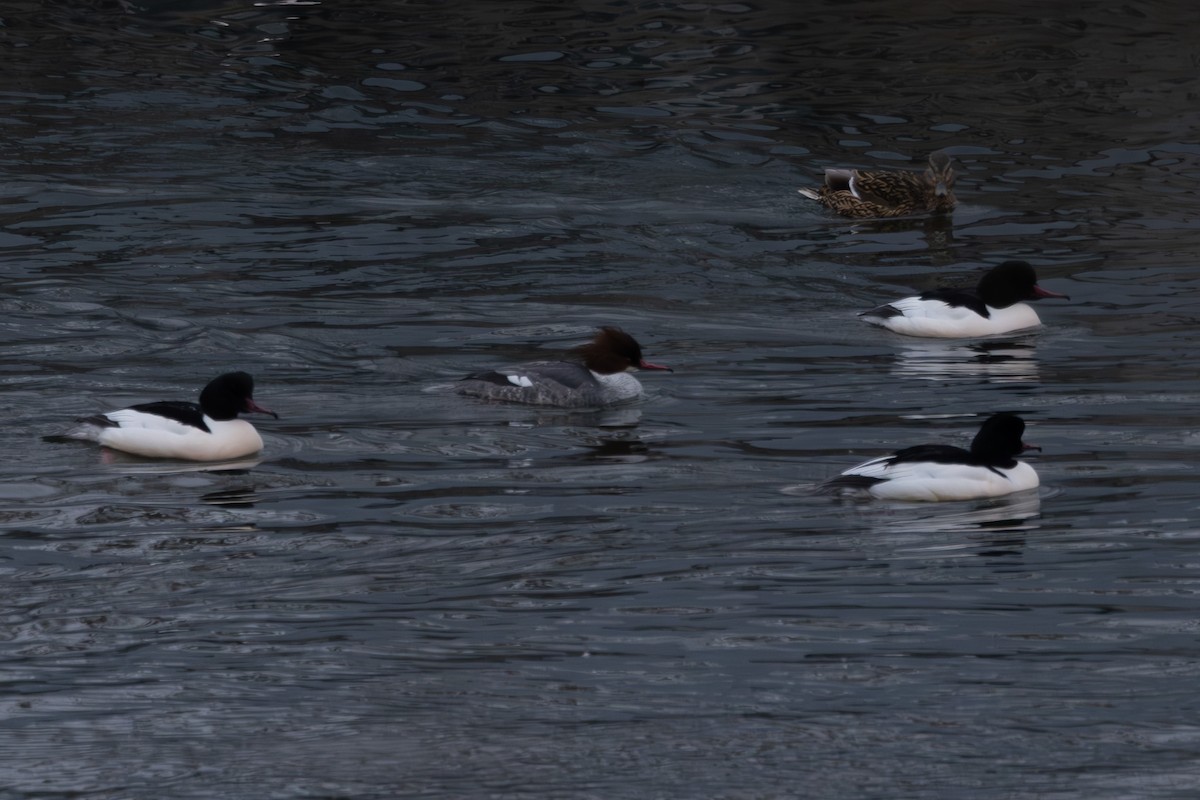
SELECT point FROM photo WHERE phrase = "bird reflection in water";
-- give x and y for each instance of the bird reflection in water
(1010, 513)
(934, 234)
(626, 451)
(243, 496)
(123, 462)
(612, 417)
(610, 442)
(233, 497)
(999, 361)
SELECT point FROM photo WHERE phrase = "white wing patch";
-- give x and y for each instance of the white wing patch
(915, 307)
(129, 418)
(519, 380)
(875, 468)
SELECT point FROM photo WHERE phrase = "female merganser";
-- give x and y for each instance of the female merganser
(602, 379)
(942, 472)
(993, 307)
(865, 194)
(208, 431)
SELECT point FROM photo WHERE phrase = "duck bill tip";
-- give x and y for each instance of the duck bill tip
(1025, 446)
(254, 408)
(1038, 291)
(644, 364)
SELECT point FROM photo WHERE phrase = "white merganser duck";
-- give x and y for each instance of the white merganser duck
(993, 307)
(602, 379)
(208, 431)
(941, 472)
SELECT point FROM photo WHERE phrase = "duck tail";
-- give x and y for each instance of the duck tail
(88, 428)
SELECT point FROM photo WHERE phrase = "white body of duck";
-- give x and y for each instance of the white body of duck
(941, 472)
(204, 431)
(994, 307)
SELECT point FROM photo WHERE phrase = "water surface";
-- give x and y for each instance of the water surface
(415, 594)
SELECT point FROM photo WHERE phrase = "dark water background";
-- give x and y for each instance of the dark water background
(416, 595)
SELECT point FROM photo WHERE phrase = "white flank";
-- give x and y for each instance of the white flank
(158, 437)
(930, 481)
(937, 319)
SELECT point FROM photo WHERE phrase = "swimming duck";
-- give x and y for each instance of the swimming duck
(888, 193)
(933, 472)
(602, 379)
(206, 431)
(994, 306)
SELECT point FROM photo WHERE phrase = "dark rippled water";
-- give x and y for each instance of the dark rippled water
(413, 594)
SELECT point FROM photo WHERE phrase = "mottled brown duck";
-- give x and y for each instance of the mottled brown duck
(888, 193)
